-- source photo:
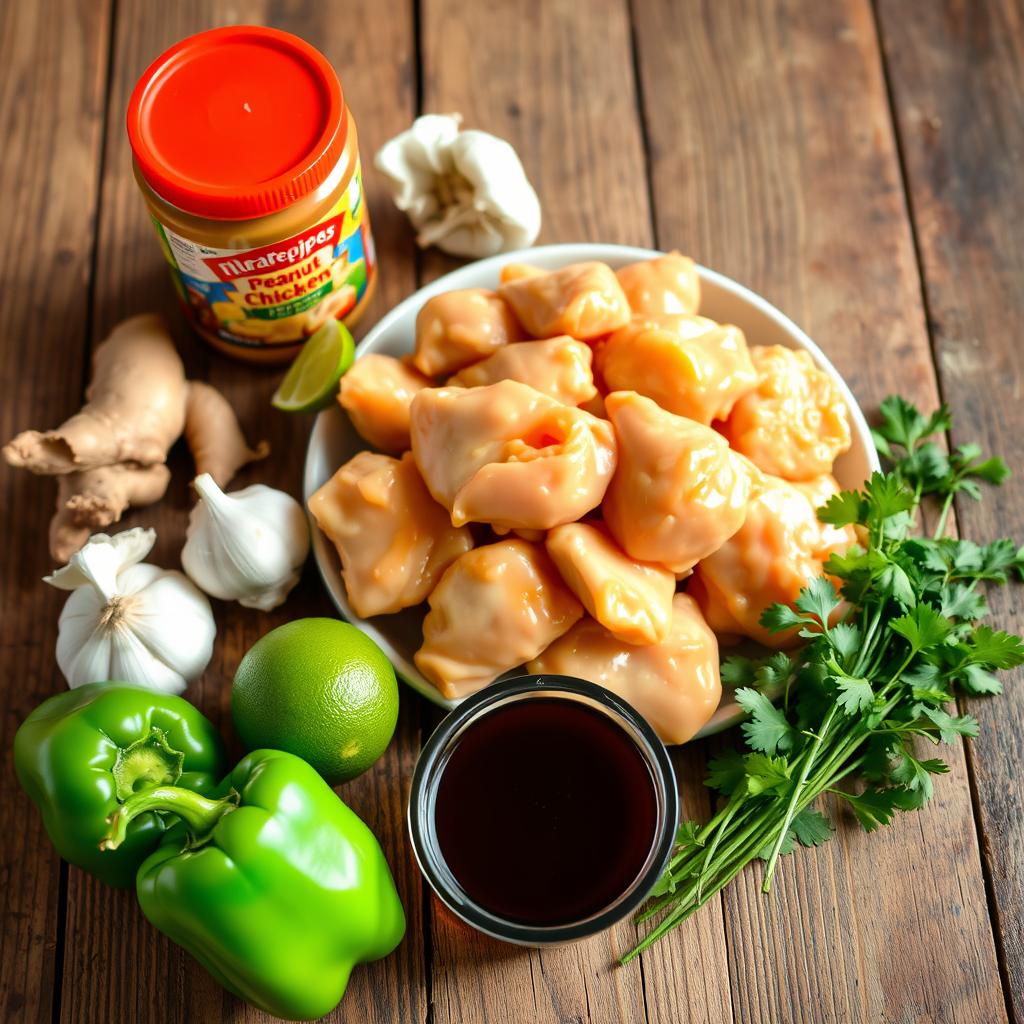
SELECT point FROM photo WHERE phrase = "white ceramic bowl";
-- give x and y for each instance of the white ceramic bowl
(333, 441)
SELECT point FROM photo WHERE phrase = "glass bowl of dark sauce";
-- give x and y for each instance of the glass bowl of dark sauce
(543, 809)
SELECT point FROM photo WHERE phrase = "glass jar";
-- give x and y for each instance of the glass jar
(429, 841)
(248, 160)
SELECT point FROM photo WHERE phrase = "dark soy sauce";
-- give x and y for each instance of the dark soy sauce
(546, 811)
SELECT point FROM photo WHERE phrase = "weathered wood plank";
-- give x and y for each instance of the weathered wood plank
(955, 71)
(117, 967)
(51, 110)
(773, 160)
(560, 88)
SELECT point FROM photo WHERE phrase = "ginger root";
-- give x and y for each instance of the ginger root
(111, 454)
(213, 435)
(134, 411)
(94, 498)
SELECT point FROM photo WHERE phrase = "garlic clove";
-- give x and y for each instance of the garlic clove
(466, 192)
(247, 546)
(100, 560)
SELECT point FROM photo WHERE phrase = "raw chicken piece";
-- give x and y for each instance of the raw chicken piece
(583, 300)
(632, 600)
(675, 684)
(455, 329)
(376, 393)
(678, 492)
(780, 548)
(507, 455)
(393, 539)
(496, 607)
(557, 367)
(515, 271)
(688, 364)
(668, 284)
(795, 422)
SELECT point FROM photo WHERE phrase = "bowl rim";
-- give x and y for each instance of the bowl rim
(468, 275)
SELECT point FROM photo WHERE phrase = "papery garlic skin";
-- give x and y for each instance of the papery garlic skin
(464, 191)
(130, 622)
(247, 546)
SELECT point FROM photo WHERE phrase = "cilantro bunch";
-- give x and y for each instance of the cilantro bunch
(873, 683)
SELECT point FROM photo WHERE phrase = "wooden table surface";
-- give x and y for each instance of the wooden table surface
(857, 164)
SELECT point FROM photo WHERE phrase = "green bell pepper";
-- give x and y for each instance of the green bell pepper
(276, 886)
(79, 754)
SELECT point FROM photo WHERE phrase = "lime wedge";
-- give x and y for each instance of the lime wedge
(312, 380)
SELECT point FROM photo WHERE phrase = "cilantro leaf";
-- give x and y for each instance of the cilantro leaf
(811, 827)
(995, 648)
(977, 680)
(726, 772)
(818, 599)
(923, 627)
(887, 496)
(875, 807)
(846, 639)
(768, 730)
(765, 773)
(855, 694)
(961, 602)
(777, 618)
(737, 671)
(903, 423)
(847, 508)
(950, 726)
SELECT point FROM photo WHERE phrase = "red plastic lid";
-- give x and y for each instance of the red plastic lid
(237, 122)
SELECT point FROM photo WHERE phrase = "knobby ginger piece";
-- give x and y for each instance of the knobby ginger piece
(795, 422)
(494, 608)
(779, 549)
(455, 329)
(668, 284)
(583, 300)
(376, 393)
(688, 364)
(557, 367)
(674, 684)
(213, 435)
(678, 493)
(393, 539)
(632, 600)
(507, 455)
(134, 411)
(92, 499)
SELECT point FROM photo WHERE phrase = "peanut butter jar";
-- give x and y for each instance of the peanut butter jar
(248, 160)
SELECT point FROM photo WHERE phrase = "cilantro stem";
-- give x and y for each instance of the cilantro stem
(794, 799)
(940, 529)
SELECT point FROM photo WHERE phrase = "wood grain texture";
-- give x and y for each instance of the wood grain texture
(51, 113)
(956, 72)
(560, 88)
(109, 946)
(773, 159)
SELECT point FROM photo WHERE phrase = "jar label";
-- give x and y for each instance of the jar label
(277, 294)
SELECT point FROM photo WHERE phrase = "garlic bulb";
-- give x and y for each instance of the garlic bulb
(130, 622)
(465, 192)
(247, 546)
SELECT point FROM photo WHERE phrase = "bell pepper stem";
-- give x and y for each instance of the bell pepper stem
(198, 812)
(150, 761)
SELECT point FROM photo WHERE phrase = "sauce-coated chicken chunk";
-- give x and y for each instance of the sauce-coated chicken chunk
(632, 600)
(558, 367)
(668, 284)
(376, 393)
(496, 607)
(779, 549)
(455, 329)
(674, 684)
(507, 455)
(584, 300)
(393, 539)
(678, 493)
(688, 364)
(795, 422)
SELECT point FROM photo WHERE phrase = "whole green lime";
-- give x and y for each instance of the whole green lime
(321, 689)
